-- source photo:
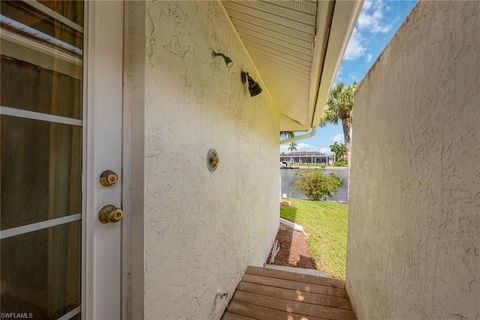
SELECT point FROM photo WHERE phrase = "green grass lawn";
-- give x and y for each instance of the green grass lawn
(325, 222)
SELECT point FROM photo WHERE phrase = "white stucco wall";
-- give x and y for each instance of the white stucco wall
(200, 229)
(414, 226)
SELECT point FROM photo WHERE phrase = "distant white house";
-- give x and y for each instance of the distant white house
(307, 157)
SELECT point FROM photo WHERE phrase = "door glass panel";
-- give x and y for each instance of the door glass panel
(41, 54)
(71, 9)
(47, 26)
(40, 71)
(28, 86)
(40, 271)
(41, 171)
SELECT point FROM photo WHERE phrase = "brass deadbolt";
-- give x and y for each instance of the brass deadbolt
(108, 178)
(212, 160)
(110, 214)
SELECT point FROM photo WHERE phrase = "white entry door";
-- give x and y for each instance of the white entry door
(104, 72)
(61, 159)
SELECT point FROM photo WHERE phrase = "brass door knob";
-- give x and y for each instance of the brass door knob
(108, 178)
(110, 214)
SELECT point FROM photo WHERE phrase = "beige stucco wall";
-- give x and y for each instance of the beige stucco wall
(200, 229)
(414, 227)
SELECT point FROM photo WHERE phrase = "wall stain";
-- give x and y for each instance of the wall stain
(151, 40)
(175, 47)
(176, 44)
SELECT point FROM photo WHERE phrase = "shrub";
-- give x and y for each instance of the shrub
(316, 185)
(341, 163)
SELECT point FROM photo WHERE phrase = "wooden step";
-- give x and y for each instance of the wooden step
(264, 313)
(301, 286)
(269, 294)
(296, 307)
(296, 295)
(299, 277)
(234, 316)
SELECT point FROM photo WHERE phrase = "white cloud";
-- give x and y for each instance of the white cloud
(352, 77)
(372, 16)
(338, 138)
(367, 5)
(301, 146)
(372, 19)
(325, 150)
(339, 76)
(305, 147)
(355, 48)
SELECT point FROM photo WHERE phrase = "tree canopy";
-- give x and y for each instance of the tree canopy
(339, 104)
(340, 151)
(286, 134)
(292, 146)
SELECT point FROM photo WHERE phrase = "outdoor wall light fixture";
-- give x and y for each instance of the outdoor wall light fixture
(228, 61)
(253, 86)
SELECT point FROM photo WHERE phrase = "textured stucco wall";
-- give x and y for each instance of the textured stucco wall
(414, 226)
(201, 229)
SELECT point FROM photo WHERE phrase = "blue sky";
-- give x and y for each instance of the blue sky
(377, 23)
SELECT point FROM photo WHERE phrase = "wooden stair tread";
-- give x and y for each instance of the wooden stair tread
(302, 308)
(302, 286)
(234, 316)
(269, 294)
(299, 277)
(296, 295)
(264, 313)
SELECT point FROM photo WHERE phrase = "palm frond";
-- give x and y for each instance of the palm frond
(339, 104)
(286, 134)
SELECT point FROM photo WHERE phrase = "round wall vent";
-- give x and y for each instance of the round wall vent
(212, 160)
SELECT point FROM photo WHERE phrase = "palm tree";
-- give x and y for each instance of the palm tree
(292, 146)
(340, 151)
(286, 134)
(339, 108)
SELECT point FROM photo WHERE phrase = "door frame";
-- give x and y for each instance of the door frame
(103, 23)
